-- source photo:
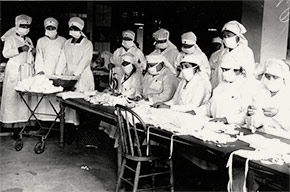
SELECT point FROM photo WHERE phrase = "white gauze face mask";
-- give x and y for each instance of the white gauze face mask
(187, 73)
(23, 31)
(161, 45)
(127, 44)
(229, 76)
(127, 69)
(230, 42)
(153, 70)
(274, 85)
(188, 50)
(51, 33)
(75, 34)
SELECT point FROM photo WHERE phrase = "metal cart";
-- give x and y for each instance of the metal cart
(40, 145)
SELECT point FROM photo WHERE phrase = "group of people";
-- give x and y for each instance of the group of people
(223, 87)
(53, 55)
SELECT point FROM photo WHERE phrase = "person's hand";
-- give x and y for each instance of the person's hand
(137, 98)
(222, 119)
(192, 112)
(25, 48)
(251, 110)
(77, 76)
(111, 65)
(270, 111)
(160, 105)
(33, 51)
(40, 73)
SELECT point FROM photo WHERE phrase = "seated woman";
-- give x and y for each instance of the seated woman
(232, 96)
(193, 90)
(160, 82)
(130, 83)
(271, 108)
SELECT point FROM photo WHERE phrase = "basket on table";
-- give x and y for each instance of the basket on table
(66, 81)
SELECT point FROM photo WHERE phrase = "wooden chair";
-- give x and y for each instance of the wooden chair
(137, 153)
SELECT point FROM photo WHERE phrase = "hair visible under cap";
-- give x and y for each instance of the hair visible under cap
(276, 67)
(76, 21)
(235, 27)
(128, 33)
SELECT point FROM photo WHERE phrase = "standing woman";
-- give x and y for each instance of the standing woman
(48, 50)
(76, 56)
(18, 48)
(75, 60)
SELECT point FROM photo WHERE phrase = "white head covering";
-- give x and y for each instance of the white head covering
(76, 21)
(50, 22)
(20, 19)
(238, 29)
(276, 67)
(161, 34)
(230, 62)
(191, 59)
(128, 33)
(235, 27)
(158, 58)
(188, 38)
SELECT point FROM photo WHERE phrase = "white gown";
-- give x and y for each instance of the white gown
(230, 100)
(161, 87)
(47, 55)
(75, 60)
(13, 109)
(192, 94)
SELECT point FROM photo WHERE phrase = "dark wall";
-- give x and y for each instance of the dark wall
(176, 16)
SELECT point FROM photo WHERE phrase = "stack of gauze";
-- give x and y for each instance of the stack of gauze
(38, 84)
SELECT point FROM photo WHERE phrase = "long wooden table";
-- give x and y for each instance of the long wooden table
(274, 175)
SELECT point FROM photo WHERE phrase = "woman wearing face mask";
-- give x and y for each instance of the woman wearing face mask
(75, 59)
(270, 109)
(164, 46)
(236, 43)
(128, 46)
(130, 84)
(18, 48)
(160, 82)
(190, 48)
(76, 56)
(232, 96)
(193, 90)
(48, 48)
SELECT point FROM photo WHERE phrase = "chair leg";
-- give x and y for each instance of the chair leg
(137, 174)
(171, 175)
(153, 176)
(121, 175)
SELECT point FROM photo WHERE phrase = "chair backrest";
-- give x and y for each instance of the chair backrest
(132, 131)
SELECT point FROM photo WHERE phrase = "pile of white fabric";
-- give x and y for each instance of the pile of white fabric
(38, 84)
(107, 99)
(186, 124)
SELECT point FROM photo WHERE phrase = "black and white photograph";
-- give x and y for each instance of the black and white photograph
(115, 96)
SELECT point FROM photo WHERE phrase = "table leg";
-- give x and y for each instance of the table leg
(61, 126)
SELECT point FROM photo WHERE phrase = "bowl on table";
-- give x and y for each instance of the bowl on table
(67, 82)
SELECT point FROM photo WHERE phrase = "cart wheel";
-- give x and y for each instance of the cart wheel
(18, 145)
(39, 147)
